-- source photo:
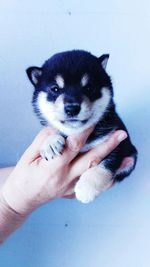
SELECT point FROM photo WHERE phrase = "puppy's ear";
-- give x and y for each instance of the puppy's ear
(103, 60)
(34, 74)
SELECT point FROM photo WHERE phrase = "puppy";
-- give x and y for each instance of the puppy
(73, 92)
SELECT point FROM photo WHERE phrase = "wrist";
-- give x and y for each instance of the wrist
(15, 194)
(15, 200)
(8, 211)
(10, 220)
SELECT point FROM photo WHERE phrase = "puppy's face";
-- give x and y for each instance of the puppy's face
(72, 90)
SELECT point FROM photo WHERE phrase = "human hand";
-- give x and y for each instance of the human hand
(35, 181)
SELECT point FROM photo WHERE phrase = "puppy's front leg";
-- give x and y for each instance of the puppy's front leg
(52, 146)
(92, 182)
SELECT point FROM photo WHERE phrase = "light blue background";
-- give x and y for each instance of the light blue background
(114, 230)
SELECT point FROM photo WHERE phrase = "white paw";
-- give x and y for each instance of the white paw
(53, 146)
(94, 181)
(84, 191)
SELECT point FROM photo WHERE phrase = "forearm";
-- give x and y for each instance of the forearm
(9, 219)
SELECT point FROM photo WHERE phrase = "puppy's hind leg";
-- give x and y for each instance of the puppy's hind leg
(92, 182)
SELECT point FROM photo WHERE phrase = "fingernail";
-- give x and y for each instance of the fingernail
(122, 136)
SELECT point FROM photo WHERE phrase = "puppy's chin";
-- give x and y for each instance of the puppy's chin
(73, 123)
(71, 127)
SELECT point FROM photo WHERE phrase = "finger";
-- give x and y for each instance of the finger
(33, 151)
(74, 143)
(97, 154)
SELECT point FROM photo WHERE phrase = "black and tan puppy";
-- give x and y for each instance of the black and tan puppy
(73, 92)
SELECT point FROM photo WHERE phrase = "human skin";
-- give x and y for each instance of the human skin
(35, 181)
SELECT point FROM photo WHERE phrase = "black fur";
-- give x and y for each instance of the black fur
(72, 65)
(109, 122)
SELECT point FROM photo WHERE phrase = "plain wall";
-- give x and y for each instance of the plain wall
(114, 230)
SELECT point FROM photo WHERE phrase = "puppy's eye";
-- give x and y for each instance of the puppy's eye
(54, 89)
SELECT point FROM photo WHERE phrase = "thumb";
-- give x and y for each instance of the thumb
(33, 151)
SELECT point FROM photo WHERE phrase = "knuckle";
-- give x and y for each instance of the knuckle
(46, 132)
(75, 145)
(94, 161)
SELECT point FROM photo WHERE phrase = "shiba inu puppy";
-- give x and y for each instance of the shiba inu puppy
(73, 92)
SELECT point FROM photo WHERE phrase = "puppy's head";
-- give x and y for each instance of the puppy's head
(72, 90)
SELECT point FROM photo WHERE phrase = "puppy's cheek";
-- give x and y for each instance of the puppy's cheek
(86, 107)
(59, 105)
(49, 110)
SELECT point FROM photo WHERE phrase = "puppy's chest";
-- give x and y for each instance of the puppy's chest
(93, 143)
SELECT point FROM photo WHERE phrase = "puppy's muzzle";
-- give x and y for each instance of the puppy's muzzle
(72, 109)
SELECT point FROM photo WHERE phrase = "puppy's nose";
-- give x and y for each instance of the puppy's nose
(72, 109)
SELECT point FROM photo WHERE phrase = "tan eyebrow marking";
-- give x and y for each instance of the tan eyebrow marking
(60, 81)
(84, 79)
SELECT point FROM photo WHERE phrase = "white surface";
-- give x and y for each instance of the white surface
(114, 230)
